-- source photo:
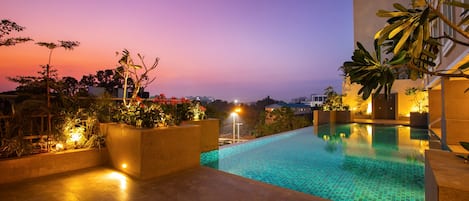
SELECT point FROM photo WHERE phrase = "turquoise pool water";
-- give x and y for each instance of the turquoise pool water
(341, 162)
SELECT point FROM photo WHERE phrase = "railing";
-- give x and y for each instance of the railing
(35, 132)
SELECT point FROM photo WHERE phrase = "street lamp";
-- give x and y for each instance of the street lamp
(238, 124)
(234, 115)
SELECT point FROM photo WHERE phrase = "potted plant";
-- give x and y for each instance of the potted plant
(148, 141)
(419, 110)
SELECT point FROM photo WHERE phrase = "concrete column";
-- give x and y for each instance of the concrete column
(444, 82)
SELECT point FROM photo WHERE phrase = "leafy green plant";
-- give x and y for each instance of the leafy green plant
(333, 101)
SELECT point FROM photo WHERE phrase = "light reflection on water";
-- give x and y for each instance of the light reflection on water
(337, 162)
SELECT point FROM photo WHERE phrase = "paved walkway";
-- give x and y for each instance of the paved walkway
(102, 183)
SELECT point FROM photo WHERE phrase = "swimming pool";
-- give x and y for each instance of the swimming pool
(337, 162)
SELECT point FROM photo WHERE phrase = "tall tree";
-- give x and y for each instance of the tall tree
(6, 27)
(407, 41)
(67, 45)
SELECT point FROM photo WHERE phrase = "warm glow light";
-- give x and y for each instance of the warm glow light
(325, 137)
(121, 178)
(75, 137)
(369, 129)
(369, 109)
(237, 110)
(234, 114)
(414, 108)
(59, 147)
(342, 135)
(124, 165)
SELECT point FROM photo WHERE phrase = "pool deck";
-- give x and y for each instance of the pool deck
(103, 183)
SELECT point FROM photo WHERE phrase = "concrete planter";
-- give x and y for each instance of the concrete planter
(324, 117)
(446, 176)
(148, 153)
(342, 116)
(18, 169)
(419, 120)
(210, 131)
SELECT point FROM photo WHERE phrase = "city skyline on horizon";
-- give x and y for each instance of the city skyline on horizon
(245, 50)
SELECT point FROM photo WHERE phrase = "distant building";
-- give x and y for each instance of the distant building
(317, 100)
(202, 99)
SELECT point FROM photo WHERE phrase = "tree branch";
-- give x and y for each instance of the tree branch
(425, 71)
(452, 39)
(448, 22)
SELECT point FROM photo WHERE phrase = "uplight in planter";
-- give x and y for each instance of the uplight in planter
(59, 147)
(75, 137)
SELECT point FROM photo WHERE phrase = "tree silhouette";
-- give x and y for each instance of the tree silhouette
(6, 27)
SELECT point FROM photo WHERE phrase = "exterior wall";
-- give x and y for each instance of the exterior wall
(365, 21)
(18, 169)
(456, 111)
(452, 58)
(149, 153)
(434, 108)
(210, 131)
(404, 103)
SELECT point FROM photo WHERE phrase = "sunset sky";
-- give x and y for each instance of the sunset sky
(227, 49)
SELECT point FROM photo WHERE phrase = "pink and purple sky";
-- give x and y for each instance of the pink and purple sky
(227, 49)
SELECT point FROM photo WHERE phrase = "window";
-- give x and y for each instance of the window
(448, 12)
(435, 32)
(464, 27)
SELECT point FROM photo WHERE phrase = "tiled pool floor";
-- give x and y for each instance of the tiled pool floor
(103, 183)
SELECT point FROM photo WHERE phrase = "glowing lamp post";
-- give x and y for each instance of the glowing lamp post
(234, 115)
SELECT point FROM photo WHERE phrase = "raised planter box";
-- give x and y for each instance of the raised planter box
(148, 153)
(419, 120)
(18, 169)
(324, 117)
(210, 131)
(446, 176)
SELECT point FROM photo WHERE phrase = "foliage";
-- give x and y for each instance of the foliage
(129, 70)
(6, 27)
(407, 41)
(333, 101)
(196, 112)
(283, 119)
(79, 129)
(19, 126)
(419, 98)
(160, 112)
(109, 79)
